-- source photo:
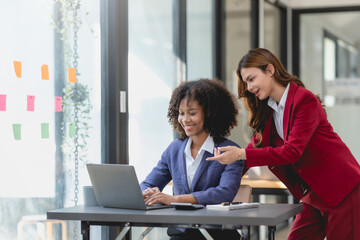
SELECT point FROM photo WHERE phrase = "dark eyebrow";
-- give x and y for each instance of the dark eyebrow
(190, 109)
(247, 78)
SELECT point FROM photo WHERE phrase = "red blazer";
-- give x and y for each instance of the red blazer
(310, 150)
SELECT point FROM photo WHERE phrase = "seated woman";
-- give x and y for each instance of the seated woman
(203, 112)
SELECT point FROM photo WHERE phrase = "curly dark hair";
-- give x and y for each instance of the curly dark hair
(219, 105)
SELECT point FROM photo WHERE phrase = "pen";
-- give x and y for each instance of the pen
(230, 203)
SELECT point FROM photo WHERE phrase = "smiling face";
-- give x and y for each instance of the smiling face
(191, 118)
(258, 82)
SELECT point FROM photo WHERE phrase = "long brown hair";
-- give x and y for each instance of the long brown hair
(259, 111)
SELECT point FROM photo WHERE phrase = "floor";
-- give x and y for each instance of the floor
(282, 234)
(160, 234)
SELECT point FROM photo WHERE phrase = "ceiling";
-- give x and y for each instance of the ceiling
(341, 20)
(318, 3)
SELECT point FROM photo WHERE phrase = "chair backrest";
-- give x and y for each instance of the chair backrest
(243, 194)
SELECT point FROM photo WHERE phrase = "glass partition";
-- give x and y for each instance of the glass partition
(329, 66)
(152, 77)
(38, 75)
(237, 43)
(151, 80)
(200, 40)
(272, 29)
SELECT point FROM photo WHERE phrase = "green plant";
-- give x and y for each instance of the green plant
(76, 101)
(67, 26)
(77, 108)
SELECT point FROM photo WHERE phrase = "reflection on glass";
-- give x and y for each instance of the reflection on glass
(329, 59)
(329, 67)
(336, 52)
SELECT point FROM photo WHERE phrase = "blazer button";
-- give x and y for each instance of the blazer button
(299, 171)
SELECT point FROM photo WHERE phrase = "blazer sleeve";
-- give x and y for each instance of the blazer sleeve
(304, 122)
(159, 176)
(227, 188)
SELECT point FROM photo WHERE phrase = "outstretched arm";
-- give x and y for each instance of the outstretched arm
(228, 154)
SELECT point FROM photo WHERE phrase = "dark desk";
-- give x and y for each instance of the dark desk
(267, 214)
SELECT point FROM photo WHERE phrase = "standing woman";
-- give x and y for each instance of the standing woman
(295, 140)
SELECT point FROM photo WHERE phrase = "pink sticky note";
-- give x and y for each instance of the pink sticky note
(58, 104)
(30, 103)
(2, 102)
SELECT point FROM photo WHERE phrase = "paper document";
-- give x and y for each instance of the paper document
(233, 206)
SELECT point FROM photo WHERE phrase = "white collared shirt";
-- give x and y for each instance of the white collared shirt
(279, 111)
(193, 164)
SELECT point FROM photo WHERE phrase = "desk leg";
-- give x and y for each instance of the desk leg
(205, 234)
(123, 232)
(272, 230)
(245, 232)
(146, 232)
(85, 230)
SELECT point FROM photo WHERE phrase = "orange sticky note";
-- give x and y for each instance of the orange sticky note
(45, 72)
(58, 104)
(17, 66)
(2, 102)
(30, 103)
(72, 75)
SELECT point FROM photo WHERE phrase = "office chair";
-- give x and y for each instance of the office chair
(243, 194)
(44, 226)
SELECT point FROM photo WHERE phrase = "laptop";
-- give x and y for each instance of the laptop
(116, 186)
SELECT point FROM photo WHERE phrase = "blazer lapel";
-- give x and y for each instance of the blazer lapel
(182, 164)
(288, 110)
(203, 165)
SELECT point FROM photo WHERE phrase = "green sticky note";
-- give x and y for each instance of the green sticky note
(44, 130)
(72, 130)
(17, 131)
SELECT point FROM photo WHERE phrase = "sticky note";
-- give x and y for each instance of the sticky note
(72, 130)
(2, 102)
(45, 72)
(44, 130)
(17, 66)
(72, 75)
(30, 103)
(17, 131)
(58, 104)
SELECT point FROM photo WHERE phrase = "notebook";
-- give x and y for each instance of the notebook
(116, 185)
(234, 206)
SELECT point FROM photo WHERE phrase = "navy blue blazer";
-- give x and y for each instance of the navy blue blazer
(213, 182)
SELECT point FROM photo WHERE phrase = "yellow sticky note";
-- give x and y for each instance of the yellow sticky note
(17, 66)
(72, 75)
(45, 72)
